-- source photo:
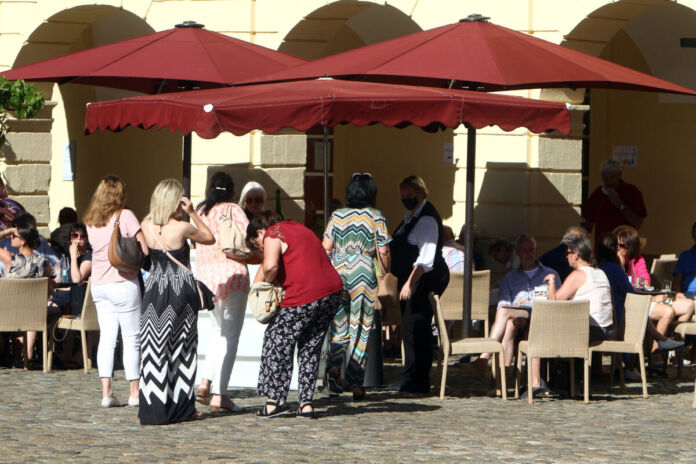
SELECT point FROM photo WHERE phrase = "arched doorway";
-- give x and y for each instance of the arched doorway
(141, 158)
(389, 154)
(644, 36)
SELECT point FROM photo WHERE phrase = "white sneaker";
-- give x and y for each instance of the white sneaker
(632, 375)
(133, 401)
(110, 402)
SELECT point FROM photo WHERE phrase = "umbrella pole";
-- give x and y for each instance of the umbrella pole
(187, 165)
(469, 218)
(326, 177)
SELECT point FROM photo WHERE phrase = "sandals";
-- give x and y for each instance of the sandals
(305, 414)
(278, 410)
(359, 393)
(203, 396)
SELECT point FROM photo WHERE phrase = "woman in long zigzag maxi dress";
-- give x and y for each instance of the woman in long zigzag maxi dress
(350, 241)
(168, 334)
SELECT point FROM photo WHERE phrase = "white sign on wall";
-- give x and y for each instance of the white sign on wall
(69, 160)
(626, 155)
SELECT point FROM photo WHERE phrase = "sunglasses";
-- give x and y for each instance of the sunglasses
(257, 200)
(622, 245)
(16, 236)
(569, 252)
(358, 174)
(77, 235)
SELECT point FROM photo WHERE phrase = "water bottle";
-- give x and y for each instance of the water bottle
(64, 267)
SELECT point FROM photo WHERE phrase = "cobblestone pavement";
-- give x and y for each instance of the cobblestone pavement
(56, 418)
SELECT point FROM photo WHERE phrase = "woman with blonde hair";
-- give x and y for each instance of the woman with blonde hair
(168, 326)
(115, 291)
(229, 281)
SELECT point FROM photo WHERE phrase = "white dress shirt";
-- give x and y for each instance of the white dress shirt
(424, 236)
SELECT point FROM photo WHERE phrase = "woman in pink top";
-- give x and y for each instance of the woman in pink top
(115, 291)
(661, 313)
(229, 281)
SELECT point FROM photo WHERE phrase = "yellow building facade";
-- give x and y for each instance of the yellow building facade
(524, 182)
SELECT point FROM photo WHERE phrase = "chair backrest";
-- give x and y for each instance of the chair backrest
(89, 310)
(439, 317)
(637, 309)
(452, 299)
(662, 270)
(668, 256)
(559, 329)
(23, 304)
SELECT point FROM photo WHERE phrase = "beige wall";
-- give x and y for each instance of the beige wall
(524, 182)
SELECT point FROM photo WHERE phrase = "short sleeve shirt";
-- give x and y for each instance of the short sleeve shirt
(607, 217)
(686, 266)
(102, 270)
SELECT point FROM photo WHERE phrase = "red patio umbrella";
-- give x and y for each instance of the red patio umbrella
(477, 55)
(183, 58)
(327, 102)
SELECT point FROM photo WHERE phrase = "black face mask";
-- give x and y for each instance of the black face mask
(409, 203)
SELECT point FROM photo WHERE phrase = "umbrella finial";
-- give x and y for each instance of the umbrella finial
(190, 24)
(475, 18)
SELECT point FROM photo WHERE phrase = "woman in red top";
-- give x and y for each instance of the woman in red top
(293, 257)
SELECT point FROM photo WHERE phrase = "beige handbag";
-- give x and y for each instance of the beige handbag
(264, 300)
(387, 283)
(232, 240)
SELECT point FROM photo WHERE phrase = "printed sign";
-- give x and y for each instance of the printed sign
(449, 153)
(626, 155)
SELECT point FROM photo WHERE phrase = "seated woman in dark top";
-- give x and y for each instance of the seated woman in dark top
(78, 271)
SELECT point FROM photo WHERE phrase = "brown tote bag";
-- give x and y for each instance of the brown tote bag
(124, 252)
(387, 284)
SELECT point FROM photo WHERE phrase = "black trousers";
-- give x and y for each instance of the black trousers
(417, 314)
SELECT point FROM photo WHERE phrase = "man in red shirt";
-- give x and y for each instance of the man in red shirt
(614, 203)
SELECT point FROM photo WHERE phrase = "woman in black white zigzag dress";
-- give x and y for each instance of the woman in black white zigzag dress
(168, 335)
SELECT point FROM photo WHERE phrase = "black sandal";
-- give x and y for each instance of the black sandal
(278, 410)
(334, 383)
(305, 415)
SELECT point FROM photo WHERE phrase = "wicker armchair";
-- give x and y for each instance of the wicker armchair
(85, 322)
(23, 306)
(557, 329)
(636, 320)
(452, 299)
(464, 346)
(662, 270)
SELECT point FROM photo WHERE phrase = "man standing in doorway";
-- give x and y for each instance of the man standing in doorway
(614, 203)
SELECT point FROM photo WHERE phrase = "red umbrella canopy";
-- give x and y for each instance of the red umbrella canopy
(303, 104)
(187, 52)
(477, 55)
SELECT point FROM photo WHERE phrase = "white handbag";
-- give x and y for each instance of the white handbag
(264, 300)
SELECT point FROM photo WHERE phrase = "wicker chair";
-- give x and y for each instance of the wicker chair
(662, 270)
(637, 309)
(23, 306)
(464, 346)
(684, 329)
(86, 322)
(453, 297)
(557, 329)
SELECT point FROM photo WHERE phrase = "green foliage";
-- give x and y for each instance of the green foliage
(20, 98)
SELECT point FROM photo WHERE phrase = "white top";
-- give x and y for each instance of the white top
(424, 236)
(597, 290)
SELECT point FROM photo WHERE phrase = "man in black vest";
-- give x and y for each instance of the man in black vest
(417, 262)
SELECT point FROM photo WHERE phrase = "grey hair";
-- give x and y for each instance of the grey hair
(581, 245)
(610, 166)
(575, 230)
(525, 238)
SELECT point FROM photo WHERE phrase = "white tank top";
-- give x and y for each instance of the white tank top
(597, 290)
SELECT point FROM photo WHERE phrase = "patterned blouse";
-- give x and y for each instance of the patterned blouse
(219, 273)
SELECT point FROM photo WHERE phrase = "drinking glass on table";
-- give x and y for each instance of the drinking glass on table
(667, 287)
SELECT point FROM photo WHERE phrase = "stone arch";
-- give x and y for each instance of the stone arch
(389, 154)
(35, 153)
(643, 36)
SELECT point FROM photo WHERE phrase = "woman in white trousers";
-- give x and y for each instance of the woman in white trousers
(229, 281)
(115, 291)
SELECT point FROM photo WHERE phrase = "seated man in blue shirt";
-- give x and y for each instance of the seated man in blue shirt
(516, 288)
(684, 282)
